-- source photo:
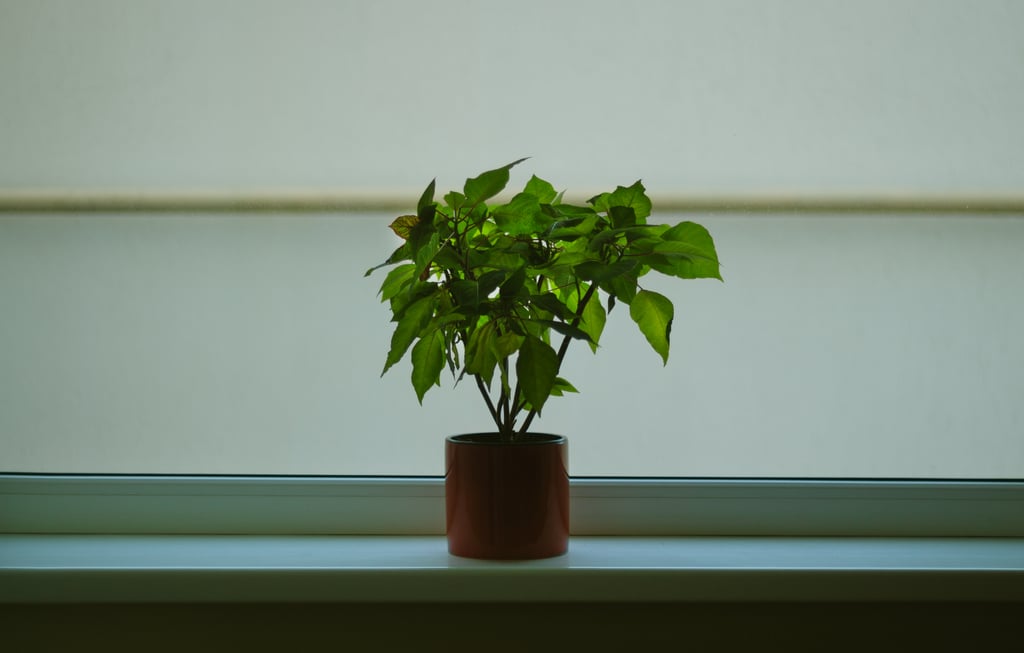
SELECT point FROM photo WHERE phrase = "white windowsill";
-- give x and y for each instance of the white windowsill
(235, 568)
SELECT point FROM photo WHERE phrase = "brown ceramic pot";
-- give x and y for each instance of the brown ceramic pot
(507, 500)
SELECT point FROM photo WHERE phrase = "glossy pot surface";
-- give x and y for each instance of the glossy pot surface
(507, 500)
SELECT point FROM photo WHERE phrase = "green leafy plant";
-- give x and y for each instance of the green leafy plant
(491, 291)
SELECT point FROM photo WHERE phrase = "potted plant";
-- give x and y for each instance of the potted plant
(497, 293)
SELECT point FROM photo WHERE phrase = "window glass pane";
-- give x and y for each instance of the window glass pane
(840, 345)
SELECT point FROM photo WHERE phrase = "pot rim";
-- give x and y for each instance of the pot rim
(491, 438)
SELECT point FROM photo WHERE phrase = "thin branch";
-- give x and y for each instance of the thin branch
(487, 398)
(503, 398)
(564, 346)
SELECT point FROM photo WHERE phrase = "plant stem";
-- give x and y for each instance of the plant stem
(564, 347)
(512, 409)
(576, 322)
(487, 398)
(503, 414)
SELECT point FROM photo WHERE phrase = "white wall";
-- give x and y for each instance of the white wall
(702, 96)
(841, 345)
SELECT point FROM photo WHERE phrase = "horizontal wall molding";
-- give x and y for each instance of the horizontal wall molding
(58, 200)
(287, 505)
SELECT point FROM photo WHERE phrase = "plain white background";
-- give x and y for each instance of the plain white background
(844, 345)
(722, 96)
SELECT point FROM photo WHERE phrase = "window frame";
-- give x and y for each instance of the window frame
(304, 505)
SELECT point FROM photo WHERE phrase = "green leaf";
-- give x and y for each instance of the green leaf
(536, 369)
(447, 257)
(683, 266)
(653, 313)
(571, 211)
(465, 293)
(396, 280)
(680, 248)
(504, 346)
(571, 259)
(633, 197)
(622, 216)
(481, 351)
(489, 282)
(427, 213)
(691, 232)
(491, 258)
(644, 231)
(602, 238)
(426, 199)
(488, 184)
(548, 302)
(562, 386)
(598, 271)
(469, 294)
(565, 329)
(376, 267)
(423, 242)
(697, 242)
(455, 200)
(403, 300)
(426, 252)
(410, 326)
(593, 321)
(593, 317)
(444, 320)
(522, 216)
(451, 350)
(540, 189)
(427, 363)
(400, 254)
(515, 282)
(573, 228)
(622, 287)
(507, 344)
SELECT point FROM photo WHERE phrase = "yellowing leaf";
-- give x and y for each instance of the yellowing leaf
(403, 225)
